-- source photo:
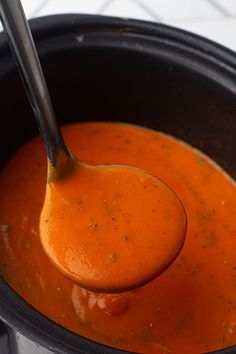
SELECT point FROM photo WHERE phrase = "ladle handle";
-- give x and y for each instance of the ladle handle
(22, 45)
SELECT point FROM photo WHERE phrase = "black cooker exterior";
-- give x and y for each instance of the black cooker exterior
(133, 71)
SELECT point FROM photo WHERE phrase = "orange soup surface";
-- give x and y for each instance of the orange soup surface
(191, 307)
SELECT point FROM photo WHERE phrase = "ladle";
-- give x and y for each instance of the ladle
(108, 228)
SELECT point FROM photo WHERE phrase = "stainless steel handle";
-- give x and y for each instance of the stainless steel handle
(22, 44)
(4, 340)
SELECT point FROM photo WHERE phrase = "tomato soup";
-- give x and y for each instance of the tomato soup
(91, 212)
(191, 307)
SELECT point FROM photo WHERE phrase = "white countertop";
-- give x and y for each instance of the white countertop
(215, 19)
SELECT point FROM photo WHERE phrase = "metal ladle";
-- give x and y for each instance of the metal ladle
(61, 160)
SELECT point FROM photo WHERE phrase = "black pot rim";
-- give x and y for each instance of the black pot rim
(16, 312)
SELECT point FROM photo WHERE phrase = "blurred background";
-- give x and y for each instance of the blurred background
(215, 19)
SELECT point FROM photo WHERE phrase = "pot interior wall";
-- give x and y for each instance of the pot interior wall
(102, 83)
